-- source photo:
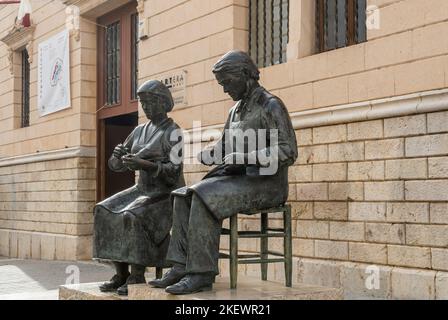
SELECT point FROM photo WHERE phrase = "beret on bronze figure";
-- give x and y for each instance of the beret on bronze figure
(156, 87)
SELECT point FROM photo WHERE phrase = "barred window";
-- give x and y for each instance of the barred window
(268, 31)
(340, 23)
(134, 55)
(118, 42)
(113, 84)
(25, 116)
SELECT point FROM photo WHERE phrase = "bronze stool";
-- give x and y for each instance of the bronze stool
(264, 234)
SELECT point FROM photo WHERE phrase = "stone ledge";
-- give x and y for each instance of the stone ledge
(72, 152)
(248, 289)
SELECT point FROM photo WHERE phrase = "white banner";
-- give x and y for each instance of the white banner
(54, 74)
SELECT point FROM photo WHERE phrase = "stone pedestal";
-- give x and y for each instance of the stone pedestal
(86, 291)
(248, 289)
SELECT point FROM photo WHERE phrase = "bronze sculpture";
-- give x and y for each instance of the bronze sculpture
(230, 187)
(132, 227)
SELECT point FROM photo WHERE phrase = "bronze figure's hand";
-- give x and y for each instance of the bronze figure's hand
(130, 161)
(119, 151)
(134, 162)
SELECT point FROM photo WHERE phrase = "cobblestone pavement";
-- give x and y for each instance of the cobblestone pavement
(40, 280)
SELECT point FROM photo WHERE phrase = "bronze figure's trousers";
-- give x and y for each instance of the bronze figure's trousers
(195, 236)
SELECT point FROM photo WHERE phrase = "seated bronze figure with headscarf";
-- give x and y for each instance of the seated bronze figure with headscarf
(132, 227)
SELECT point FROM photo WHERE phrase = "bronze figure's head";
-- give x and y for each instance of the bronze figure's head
(236, 73)
(155, 98)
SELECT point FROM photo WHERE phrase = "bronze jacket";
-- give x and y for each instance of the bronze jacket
(133, 225)
(229, 189)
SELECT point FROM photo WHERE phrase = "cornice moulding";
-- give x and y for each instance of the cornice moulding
(66, 153)
(93, 9)
(18, 37)
(78, 3)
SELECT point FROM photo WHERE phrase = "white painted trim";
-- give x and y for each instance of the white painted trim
(73, 152)
(429, 101)
(423, 102)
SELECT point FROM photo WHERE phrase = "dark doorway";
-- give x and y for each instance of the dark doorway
(115, 131)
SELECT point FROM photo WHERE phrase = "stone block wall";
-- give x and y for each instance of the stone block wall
(46, 209)
(365, 195)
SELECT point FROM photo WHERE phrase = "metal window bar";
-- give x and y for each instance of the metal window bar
(276, 33)
(25, 119)
(134, 54)
(284, 28)
(118, 63)
(340, 23)
(361, 17)
(351, 22)
(319, 25)
(330, 25)
(261, 40)
(268, 31)
(108, 66)
(252, 27)
(113, 68)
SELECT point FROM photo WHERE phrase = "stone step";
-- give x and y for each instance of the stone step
(248, 289)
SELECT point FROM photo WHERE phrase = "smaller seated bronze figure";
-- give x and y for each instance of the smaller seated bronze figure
(132, 227)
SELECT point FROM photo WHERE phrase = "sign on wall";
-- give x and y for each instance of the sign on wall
(177, 83)
(54, 74)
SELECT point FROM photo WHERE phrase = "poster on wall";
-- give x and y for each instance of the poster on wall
(54, 74)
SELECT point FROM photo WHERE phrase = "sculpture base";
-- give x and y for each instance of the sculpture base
(86, 291)
(248, 289)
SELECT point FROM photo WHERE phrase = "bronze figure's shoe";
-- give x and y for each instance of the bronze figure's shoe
(192, 283)
(172, 276)
(123, 290)
(114, 283)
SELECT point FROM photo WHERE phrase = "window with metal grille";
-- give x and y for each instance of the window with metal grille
(25, 116)
(268, 31)
(134, 55)
(340, 23)
(113, 63)
(117, 71)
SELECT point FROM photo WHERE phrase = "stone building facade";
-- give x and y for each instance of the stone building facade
(369, 190)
